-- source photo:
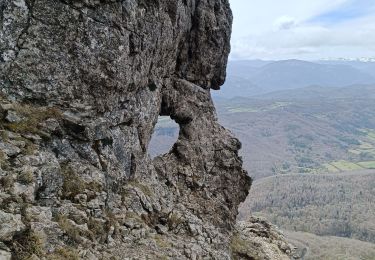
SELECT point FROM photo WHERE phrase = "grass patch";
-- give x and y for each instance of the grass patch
(160, 241)
(372, 151)
(26, 177)
(29, 148)
(355, 151)
(278, 105)
(134, 216)
(331, 168)
(367, 165)
(145, 189)
(166, 122)
(164, 119)
(7, 182)
(174, 220)
(26, 244)
(98, 228)
(73, 184)
(243, 110)
(366, 146)
(70, 230)
(265, 108)
(4, 163)
(64, 253)
(346, 165)
(33, 116)
(370, 134)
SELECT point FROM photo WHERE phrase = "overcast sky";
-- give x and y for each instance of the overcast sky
(303, 29)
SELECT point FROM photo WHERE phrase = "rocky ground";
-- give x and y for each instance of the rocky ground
(82, 85)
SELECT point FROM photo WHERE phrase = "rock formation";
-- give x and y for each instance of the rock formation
(82, 85)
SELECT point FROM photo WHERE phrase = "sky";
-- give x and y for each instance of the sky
(303, 29)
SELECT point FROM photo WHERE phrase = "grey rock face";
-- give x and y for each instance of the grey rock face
(87, 81)
(5, 253)
(259, 240)
(9, 225)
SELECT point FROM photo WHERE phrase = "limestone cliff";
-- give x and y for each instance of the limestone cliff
(82, 85)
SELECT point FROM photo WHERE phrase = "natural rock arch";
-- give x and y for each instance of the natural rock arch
(87, 79)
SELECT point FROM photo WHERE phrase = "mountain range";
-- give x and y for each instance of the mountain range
(257, 77)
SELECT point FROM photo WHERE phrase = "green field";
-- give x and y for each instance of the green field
(342, 166)
(165, 122)
(331, 168)
(359, 151)
(362, 152)
(279, 105)
(366, 146)
(164, 119)
(370, 133)
(243, 110)
(355, 151)
(348, 166)
(367, 165)
(254, 109)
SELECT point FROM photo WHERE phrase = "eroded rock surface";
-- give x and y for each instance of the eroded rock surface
(82, 85)
(257, 239)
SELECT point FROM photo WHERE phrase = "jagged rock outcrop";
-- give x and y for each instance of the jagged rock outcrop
(257, 239)
(82, 85)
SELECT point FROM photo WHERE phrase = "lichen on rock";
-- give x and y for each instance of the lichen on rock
(82, 84)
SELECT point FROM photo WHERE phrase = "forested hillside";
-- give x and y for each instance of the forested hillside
(312, 247)
(293, 134)
(330, 204)
(311, 152)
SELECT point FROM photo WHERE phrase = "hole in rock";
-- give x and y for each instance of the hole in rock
(165, 135)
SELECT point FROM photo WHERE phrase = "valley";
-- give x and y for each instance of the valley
(302, 136)
(327, 204)
(311, 154)
(312, 247)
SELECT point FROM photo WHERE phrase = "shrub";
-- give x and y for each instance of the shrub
(64, 253)
(72, 184)
(26, 177)
(98, 228)
(145, 189)
(33, 117)
(7, 182)
(160, 241)
(4, 164)
(174, 221)
(70, 230)
(26, 244)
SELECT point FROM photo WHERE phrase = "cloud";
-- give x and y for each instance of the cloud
(298, 32)
(285, 23)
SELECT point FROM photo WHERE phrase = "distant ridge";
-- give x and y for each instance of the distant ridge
(257, 77)
(319, 92)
